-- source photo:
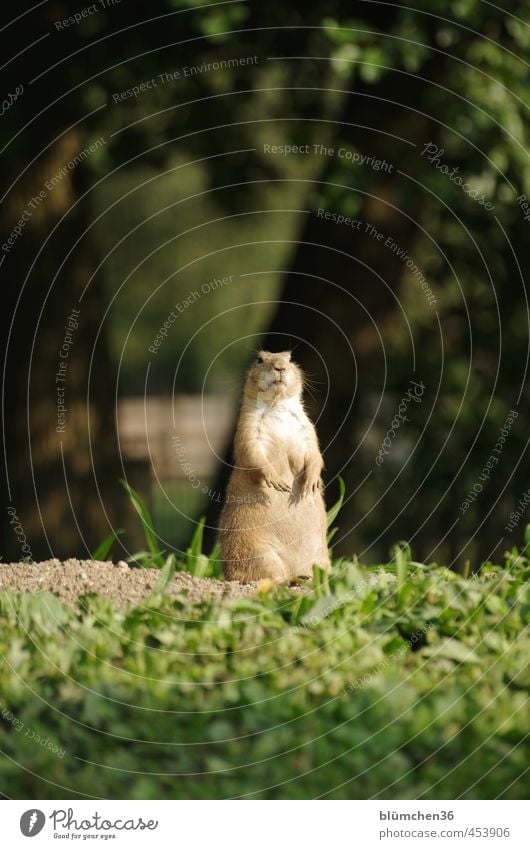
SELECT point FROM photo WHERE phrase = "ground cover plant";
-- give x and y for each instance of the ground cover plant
(400, 680)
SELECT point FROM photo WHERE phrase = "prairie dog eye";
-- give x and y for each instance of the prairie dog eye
(260, 360)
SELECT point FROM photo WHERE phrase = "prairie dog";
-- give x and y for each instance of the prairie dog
(273, 523)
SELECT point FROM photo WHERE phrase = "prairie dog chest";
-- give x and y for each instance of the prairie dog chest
(286, 426)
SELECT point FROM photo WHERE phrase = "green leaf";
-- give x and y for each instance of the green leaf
(322, 608)
(452, 650)
(166, 575)
(147, 523)
(402, 558)
(197, 563)
(105, 546)
(331, 534)
(334, 510)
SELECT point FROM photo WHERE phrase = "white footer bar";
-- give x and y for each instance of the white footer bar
(266, 824)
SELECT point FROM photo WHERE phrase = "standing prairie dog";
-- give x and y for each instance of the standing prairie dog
(273, 523)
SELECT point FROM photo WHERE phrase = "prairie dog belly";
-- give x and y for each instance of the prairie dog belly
(286, 436)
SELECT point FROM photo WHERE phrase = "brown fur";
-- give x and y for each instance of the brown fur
(273, 523)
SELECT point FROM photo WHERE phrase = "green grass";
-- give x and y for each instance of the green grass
(398, 681)
(195, 561)
(173, 511)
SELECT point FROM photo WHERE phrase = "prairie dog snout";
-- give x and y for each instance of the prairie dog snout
(273, 377)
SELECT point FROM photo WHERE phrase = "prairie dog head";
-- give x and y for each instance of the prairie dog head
(272, 377)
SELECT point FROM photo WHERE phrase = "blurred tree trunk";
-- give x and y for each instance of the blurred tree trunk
(61, 485)
(340, 292)
(348, 282)
(62, 473)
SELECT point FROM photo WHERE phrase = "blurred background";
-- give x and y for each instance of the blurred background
(184, 183)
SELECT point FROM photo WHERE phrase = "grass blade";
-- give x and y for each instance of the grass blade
(333, 511)
(167, 574)
(198, 564)
(402, 558)
(147, 523)
(105, 546)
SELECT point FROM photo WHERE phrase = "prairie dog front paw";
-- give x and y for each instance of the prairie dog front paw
(310, 482)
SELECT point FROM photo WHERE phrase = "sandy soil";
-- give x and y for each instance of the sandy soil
(118, 583)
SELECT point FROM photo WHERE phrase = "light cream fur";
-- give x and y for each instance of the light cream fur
(273, 523)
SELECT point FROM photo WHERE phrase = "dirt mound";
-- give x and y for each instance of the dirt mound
(119, 583)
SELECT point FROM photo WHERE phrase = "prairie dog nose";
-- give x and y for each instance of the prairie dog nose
(279, 368)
